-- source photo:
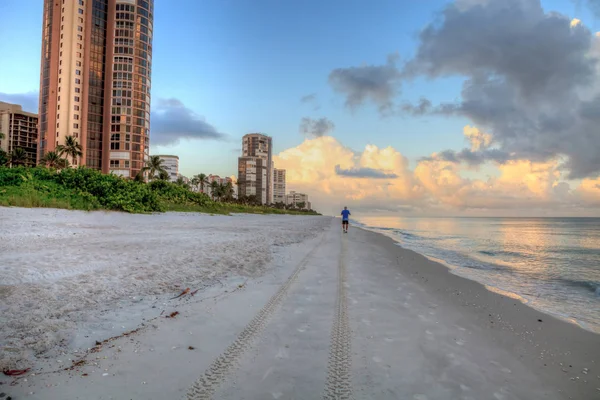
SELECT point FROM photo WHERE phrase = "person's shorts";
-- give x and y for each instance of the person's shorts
(344, 222)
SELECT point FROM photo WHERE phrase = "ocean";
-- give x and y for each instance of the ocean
(551, 264)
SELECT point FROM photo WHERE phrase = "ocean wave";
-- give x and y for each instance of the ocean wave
(504, 253)
(591, 286)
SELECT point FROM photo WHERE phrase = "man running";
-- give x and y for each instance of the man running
(345, 217)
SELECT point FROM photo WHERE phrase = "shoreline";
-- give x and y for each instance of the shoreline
(560, 351)
(454, 269)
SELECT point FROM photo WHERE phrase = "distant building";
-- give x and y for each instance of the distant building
(293, 198)
(278, 185)
(255, 167)
(221, 181)
(252, 178)
(19, 129)
(171, 165)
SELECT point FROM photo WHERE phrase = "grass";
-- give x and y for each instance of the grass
(49, 195)
(87, 189)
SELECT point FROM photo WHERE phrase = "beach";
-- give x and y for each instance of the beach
(98, 306)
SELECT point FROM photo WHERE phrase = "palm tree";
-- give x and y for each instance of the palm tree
(154, 166)
(2, 136)
(18, 157)
(227, 190)
(52, 160)
(71, 148)
(201, 180)
(214, 189)
(181, 182)
(163, 175)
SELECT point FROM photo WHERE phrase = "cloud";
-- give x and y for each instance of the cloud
(309, 98)
(172, 121)
(316, 127)
(334, 175)
(376, 83)
(364, 172)
(29, 101)
(422, 108)
(532, 79)
(479, 140)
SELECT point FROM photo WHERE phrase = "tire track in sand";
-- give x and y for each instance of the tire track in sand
(339, 385)
(217, 372)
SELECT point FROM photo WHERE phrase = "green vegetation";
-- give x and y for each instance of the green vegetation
(87, 189)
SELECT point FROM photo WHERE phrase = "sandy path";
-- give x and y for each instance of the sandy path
(339, 317)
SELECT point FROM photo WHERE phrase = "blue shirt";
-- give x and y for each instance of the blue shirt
(345, 215)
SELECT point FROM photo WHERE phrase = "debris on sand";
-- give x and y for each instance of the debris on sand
(173, 314)
(186, 291)
(191, 348)
(15, 372)
(194, 292)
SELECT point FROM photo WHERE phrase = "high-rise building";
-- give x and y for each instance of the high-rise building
(19, 129)
(171, 165)
(95, 81)
(252, 178)
(278, 185)
(255, 167)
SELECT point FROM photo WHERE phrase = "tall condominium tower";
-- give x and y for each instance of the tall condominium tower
(278, 185)
(255, 168)
(95, 81)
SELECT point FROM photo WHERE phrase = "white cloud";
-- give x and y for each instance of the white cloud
(380, 178)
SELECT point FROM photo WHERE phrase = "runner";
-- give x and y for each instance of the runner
(345, 217)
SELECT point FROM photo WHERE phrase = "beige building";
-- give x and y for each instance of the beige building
(278, 185)
(293, 198)
(252, 178)
(95, 81)
(255, 167)
(171, 165)
(19, 129)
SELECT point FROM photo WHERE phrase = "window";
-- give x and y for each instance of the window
(114, 163)
(77, 81)
(76, 108)
(80, 29)
(115, 146)
(80, 20)
(75, 126)
(80, 11)
(79, 46)
(77, 90)
(76, 116)
(78, 63)
(79, 37)
(81, 3)
(77, 99)
(78, 54)
(77, 72)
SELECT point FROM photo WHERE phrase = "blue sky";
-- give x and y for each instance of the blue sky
(244, 65)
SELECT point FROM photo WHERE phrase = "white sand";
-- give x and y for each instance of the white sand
(63, 271)
(334, 313)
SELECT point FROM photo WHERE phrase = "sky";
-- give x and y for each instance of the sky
(438, 107)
